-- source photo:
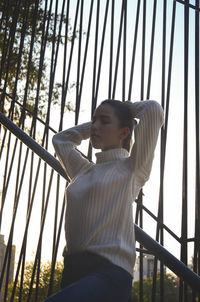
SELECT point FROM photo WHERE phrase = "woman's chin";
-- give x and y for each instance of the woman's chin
(96, 146)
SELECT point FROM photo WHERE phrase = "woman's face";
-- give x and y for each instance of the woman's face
(106, 132)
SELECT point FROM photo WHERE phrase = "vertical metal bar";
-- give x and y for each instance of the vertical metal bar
(50, 93)
(5, 187)
(56, 37)
(170, 65)
(184, 225)
(139, 220)
(95, 56)
(153, 293)
(7, 257)
(5, 46)
(45, 136)
(141, 96)
(22, 117)
(124, 54)
(17, 71)
(163, 59)
(71, 51)
(56, 214)
(78, 100)
(54, 70)
(118, 51)
(42, 51)
(196, 260)
(42, 54)
(64, 67)
(141, 253)
(151, 49)
(15, 206)
(51, 82)
(134, 50)
(37, 257)
(29, 211)
(17, 200)
(111, 48)
(33, 127)
(56, 248)
(143, 50)
(162, 155)
(21, 283)
(19, 59)
(101, 53)
(86, 48)
(9, 50)
(17, 196)
(5, 181)
(159, 230)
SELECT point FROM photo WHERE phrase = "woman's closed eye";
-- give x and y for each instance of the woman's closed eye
(102, 120)
(105, 122)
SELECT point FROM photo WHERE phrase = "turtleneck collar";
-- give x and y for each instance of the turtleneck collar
(111, 155)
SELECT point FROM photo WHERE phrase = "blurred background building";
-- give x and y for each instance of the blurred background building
(9, 267)
(148, 267)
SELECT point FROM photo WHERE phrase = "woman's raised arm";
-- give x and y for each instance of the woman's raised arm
(65, 143)
(151, 118)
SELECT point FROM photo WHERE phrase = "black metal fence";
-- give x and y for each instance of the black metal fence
(59, 59)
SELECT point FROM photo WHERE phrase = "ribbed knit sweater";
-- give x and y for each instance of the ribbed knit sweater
(99, 197)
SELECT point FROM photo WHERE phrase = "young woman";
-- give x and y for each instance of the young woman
(100, 253)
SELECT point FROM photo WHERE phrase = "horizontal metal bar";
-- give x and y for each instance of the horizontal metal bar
(161, 224)
(188, 4)
(175, 265)
(33, 145)
(27, 110)
(169, 260)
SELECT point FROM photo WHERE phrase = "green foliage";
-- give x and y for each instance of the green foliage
(17, 59)
(40, 292)
(170, 289)
(41, 289)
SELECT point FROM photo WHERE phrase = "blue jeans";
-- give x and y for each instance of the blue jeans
(91, 278)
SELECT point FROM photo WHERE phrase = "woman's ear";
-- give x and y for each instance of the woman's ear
(124, 132)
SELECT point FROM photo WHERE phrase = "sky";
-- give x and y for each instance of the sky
(174, 148)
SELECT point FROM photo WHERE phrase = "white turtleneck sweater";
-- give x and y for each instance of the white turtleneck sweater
(99, 197)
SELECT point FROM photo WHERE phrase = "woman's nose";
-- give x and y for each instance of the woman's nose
(94, 125)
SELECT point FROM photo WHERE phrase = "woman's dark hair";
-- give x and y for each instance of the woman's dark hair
(123, 112)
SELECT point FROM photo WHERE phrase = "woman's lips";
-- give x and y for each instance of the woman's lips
(95, 137)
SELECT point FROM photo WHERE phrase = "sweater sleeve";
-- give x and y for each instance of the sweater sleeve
(151, 118)
(65, 143)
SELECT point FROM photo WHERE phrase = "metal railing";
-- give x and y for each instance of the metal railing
(176, 266)
(54, 53)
